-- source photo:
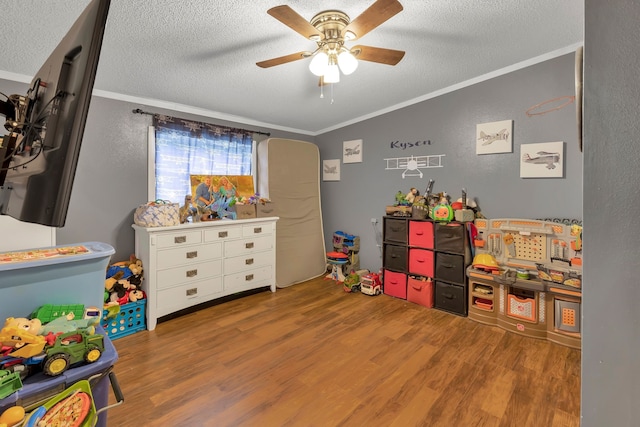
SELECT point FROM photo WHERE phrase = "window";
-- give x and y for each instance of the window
(180, 148)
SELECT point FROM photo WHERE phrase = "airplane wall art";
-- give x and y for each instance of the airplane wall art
(494, 137)
(542, 160)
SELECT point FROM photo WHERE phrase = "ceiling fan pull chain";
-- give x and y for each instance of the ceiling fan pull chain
(332, 93)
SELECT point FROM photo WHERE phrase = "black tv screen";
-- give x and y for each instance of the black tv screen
(40, 152)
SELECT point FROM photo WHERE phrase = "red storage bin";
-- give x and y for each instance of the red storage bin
(421, 234)
(395, 284)
(421, 262)
(420, 291)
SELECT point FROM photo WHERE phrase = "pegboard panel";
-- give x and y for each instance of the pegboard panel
(526, 247)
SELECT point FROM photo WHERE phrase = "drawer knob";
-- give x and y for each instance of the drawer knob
(257, 230)
(249, 245)
(192, 254)
(248, 277)
(191, 292)
(248, 261)
(223, 234)
(192, 273)
(180, 239)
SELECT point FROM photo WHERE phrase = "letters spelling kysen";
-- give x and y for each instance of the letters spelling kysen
(405, 145)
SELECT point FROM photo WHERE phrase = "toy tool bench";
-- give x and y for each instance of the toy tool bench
(534, 288)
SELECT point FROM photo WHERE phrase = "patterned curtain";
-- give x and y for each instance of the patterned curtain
(185, 147)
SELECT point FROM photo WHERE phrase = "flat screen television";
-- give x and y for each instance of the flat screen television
(45, 127)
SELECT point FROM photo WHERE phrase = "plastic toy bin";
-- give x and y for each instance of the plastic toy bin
(59, 275)
(38, 388)
(129, 319)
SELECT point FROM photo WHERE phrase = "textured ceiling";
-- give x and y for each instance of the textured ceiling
(200, 55)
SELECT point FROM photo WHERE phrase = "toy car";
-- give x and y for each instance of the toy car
(370, 284)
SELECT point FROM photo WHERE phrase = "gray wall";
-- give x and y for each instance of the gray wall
(449, 122)
(611, 319)
(111, 178)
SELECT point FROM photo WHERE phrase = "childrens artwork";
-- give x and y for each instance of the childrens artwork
(495, 137)
(331, 170)
(352, 151)
(224, 185)
(543, 160)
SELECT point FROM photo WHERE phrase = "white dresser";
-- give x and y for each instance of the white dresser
(189, 264)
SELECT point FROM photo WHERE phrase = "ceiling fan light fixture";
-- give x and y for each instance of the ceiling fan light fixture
(319, 64)
(349, 35)
(347, 62)
(333, 74)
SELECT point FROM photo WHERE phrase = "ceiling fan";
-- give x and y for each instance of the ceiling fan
(330, 29)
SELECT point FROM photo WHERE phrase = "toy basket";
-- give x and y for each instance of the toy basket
(129, 320)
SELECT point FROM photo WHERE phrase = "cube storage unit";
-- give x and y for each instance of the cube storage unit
(129, 319)
(452, 256)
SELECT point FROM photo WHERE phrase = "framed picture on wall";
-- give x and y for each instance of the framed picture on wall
(494, 137)
(543, 160)
(352, 151)
(331, 170)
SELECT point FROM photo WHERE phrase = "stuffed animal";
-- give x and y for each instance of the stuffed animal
(136, 295)
(112, 280)
(136, 269)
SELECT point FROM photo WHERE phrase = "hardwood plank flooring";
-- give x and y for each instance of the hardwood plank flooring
(313, 355)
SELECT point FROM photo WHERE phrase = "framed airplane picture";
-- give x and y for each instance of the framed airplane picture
(331, 170)
(494, 137)
(352, 151)
(543, 160)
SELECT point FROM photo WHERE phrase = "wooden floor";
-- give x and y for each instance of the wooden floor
(313, 355)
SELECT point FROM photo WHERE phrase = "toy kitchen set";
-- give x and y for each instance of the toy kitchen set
(526, 277)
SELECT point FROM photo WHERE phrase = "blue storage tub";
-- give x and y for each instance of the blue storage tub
(54, 275)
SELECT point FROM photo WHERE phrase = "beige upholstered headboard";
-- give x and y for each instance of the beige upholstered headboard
(289, 175)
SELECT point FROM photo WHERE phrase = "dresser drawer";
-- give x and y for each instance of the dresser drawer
(257, 229)
(188, 255)
(249, 279)
(248, 246)
(222, 233)
(183, 296)
(179, 238)
(246, 262)
(188, 273)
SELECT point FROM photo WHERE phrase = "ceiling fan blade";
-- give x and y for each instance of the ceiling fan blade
(377, 54)
(283, 59)
(293, 20)
(376, 14)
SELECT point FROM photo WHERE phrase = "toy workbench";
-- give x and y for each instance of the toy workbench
(536, 290)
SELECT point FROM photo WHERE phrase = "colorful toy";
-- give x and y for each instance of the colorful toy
(10, 382)
(370, 284)
(351, 282)
(55, 357)
(443, 210)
